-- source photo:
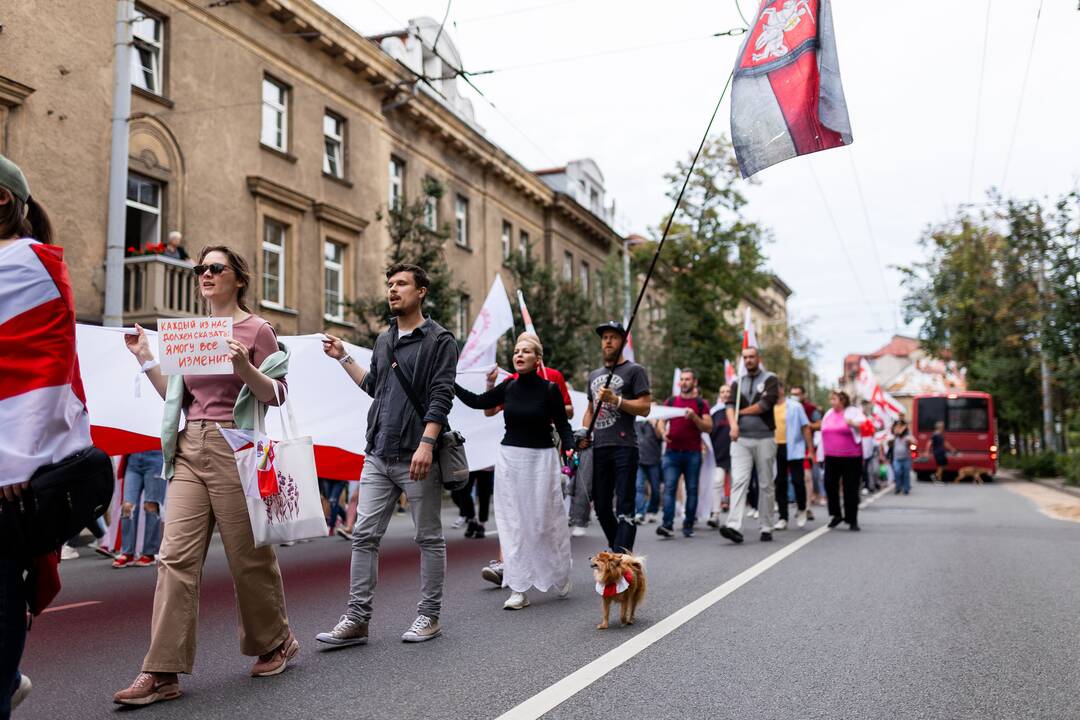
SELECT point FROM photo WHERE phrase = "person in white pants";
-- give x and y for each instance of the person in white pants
(753, 444)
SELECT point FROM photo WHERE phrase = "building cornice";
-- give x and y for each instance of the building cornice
(12, 93)
(341, 218)
(270, 190)
(599, 230)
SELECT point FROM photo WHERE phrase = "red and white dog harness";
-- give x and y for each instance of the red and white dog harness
(619, 586)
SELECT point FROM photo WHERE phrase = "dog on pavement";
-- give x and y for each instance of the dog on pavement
(619, 578)
(972, 472)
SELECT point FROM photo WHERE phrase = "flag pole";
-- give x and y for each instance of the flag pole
(663, 238)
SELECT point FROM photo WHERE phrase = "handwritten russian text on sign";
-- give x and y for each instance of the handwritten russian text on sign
(194, 346)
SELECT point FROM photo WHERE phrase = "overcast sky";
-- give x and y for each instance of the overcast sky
(911, 75)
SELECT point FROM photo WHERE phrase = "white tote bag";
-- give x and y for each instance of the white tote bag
(294, 511)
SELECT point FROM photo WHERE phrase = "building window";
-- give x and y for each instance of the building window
(147, 51)
(507, 241)
(599, 285)
(334, 144)
(333, 264)
(275, 114)
(461, 220)
(397, 183)
(463, 316)
(143, 215)
(273, 262)
(594, 200)
(568, 267)
(583, 278)
(431, 211)
(523, 246)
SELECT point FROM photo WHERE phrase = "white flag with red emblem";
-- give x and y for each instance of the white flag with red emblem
(869, 388)
(495, 318)
(43, 416)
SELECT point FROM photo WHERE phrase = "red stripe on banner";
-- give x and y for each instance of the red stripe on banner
(52, 259)
(37, 350)
(797, 88)
(330, 462)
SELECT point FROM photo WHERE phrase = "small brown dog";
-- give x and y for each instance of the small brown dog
(975, 473)
(619, 578)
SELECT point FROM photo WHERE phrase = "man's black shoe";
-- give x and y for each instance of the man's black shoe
(731, 534)
(766, 537)
(664, 531)
(836, 520)
(855, 528)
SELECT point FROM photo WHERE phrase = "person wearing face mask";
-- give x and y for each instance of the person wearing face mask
(204, 490)
(533, 534)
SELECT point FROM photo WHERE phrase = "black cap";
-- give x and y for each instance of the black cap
(611, 325)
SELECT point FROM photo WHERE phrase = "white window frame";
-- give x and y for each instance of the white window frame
(463, 327)
(338, 266)
(507, 239)
(396, 190)
(523, 245)
(151, 209)
(431, 213)
(583, 277)
(461, 220)
(154, 46)
(279, 250)
(568, 266)
(335, 141)
(280, 108)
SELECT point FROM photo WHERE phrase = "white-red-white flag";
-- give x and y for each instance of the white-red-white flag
(43, 416)
(749, 340)
(628, 348)
(495, 318)
(525, 316)
(870, 389)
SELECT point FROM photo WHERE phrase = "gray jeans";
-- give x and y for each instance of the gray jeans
(746, 455)
(381, 483)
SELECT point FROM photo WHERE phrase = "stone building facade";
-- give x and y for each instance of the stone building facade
(273, 127)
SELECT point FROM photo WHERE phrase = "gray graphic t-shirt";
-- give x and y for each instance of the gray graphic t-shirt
(613, 426)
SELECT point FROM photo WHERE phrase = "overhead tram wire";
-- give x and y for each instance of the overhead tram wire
(517, 11)
(873, 239)
(663, 236)
(978, 101)
(1023, 92)
(843, 245)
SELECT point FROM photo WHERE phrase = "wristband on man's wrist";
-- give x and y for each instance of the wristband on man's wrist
(618, 405)
(345, 360)
(148, 365)
(427, 440)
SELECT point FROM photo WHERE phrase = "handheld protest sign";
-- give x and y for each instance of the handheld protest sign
(194, 346)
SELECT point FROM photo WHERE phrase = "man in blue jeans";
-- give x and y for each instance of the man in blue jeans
(142, 482)
(649, 437)
(683, 453)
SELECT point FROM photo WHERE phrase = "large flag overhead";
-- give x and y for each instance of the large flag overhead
(786, 98)
(495, 318)
(870, 389)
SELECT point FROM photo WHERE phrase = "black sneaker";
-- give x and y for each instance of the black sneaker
(472, 528)
(766, 537)
(479, 533)
(855, 528)
(836, 520)
(664, 531)
(731, 534)
(713, 523)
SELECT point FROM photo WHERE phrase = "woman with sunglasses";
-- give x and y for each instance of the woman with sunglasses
(205, 489)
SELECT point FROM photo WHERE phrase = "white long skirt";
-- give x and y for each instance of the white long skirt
(529, 510)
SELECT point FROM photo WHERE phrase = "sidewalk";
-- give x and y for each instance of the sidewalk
(1052, 483)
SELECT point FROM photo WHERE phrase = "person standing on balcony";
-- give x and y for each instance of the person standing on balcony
(174, 246)
(204, 490)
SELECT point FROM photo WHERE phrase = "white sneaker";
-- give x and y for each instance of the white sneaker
(460, 522)
(650, 518)
(516, 601)
(67, 552)
(565, 589)
(25, 686)
(577, 531)
(752, 513)
(800, 518)
(781, 524)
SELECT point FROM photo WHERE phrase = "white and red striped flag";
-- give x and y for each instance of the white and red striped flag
(43, 416)
(749, 340)
(729, 372)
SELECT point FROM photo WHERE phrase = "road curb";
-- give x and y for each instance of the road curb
(1052, 483)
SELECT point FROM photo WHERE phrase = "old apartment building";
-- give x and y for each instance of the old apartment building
(273, 127)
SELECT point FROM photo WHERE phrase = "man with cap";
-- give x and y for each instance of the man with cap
(614, 442)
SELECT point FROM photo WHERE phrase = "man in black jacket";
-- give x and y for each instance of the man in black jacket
(399, 455)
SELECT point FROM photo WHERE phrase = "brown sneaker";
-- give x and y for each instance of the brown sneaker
(274, 662)
(149, 688)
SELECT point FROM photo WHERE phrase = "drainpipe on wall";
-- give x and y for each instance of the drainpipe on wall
(118, 168)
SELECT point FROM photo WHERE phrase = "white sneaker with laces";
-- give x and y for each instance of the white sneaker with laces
(68, 553)
(781, 524)
(423, 628)
(577, 531)
(516, 601)
(460, 522)
(752, 513)
(800, 518)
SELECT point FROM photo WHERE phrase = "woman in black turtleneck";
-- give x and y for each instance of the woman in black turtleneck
(533, 534)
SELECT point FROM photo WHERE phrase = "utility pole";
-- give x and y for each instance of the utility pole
(1049, 434)
(118, 167)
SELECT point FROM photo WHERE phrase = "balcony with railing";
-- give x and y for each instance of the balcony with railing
(156, 286)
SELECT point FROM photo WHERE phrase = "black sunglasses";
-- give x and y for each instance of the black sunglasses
(214, 268)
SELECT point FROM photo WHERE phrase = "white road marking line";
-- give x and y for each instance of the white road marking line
(70, 606)
(553, 696)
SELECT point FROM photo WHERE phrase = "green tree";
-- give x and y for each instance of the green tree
(711, 260)
(412, 240)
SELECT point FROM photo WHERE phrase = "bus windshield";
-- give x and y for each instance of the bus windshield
(959, 414)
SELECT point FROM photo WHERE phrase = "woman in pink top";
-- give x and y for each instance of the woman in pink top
(843, 458)
(205, 491)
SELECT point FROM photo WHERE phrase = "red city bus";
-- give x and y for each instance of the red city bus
(970, 427)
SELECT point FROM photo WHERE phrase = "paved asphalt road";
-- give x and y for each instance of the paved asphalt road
(954, 602)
